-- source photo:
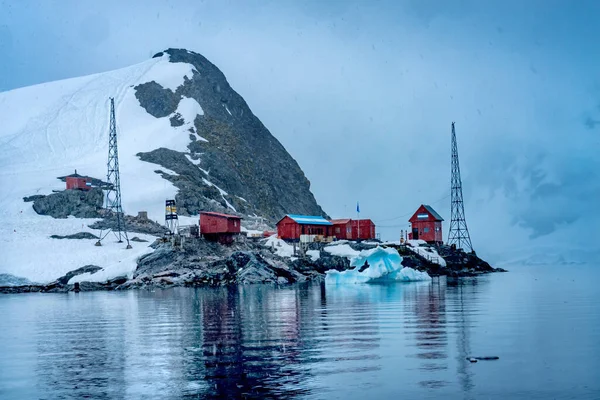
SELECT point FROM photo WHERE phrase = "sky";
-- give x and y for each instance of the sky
(362, 94)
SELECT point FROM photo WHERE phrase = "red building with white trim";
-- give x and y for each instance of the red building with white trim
(342, 228)
(292, 226)
(426, 224)
(363, 229)
(219, 227)
(78, 182)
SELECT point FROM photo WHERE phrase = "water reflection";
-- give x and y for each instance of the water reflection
(261, 341)
(426, 320)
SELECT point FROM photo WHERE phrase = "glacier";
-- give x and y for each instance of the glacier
(385, 265)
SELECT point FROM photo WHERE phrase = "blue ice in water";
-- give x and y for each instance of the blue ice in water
(385, 265)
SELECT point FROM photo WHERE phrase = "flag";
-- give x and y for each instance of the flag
(357, 207)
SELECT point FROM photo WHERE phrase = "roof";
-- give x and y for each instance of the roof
(437, 216)
(429, 210)
(340, 221)
(216, 214)
(308, 219)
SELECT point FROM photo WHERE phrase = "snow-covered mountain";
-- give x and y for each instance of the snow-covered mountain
(183, 133)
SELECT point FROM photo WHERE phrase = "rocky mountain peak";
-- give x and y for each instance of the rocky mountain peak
(234, 163)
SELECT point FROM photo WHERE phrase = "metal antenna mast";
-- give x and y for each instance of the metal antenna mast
(113, 194)
(458, 234)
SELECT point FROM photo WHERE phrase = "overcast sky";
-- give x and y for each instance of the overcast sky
(362, 94)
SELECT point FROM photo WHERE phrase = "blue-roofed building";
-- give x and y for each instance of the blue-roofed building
(292, 226)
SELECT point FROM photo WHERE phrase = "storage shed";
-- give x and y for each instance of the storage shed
(426, 224)
(342, 228)
(78, 182)
(363, 229)
(219, 227)
(292, 226)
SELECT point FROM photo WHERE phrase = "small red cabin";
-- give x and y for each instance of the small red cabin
(363, 229)
(76, 181)
(426, 225)
(342, 228)
(292, 226)
(219, 227)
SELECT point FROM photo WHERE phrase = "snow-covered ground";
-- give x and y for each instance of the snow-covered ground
(418, 246)
(49, 130)
(342, 250)
(281, 247)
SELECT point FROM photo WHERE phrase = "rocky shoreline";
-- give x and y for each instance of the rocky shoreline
(197, 262)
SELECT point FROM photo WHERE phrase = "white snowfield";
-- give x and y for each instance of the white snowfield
(49, 130)
(427, 252)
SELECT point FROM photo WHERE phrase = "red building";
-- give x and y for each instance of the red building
(342, 228)
(426, 224)
(219, 227)
(363, 229)
(76, 181)
(292, 226)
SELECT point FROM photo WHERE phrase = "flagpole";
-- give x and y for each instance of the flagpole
(358, 221)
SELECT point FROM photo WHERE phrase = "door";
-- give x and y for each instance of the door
(415, 234)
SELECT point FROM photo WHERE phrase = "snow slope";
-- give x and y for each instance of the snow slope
(65, 127)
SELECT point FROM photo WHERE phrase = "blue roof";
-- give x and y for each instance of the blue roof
(309, 219)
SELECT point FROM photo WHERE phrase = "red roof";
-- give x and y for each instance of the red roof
(340, 221)
(215, 214)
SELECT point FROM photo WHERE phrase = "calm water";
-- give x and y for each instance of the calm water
(311, 341)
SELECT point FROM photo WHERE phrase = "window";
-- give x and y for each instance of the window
(437, 228)
(234, 223)
(425, 230)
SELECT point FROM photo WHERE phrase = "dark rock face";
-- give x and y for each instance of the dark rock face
(79, 235)
(243, 158)
(158, 101)
(132, 224)
(194, 194)
(78, 203)
(63, 280)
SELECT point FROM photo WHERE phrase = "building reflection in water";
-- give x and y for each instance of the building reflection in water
(462, 289)
(427, 321)
(250, 343)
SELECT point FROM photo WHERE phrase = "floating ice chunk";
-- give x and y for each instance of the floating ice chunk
(385, 265)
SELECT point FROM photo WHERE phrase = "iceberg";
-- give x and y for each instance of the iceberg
(384, 265)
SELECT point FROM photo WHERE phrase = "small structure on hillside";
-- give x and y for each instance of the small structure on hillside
(143, 215)
(342, 228)
(426, 224)
(295, 227)
(171, 218)
(219, 227)
(78, 182)
(363, 229)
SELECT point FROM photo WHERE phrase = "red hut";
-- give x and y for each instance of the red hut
(292, 226)
(426, 225)
(219, 227)
(76, 181)
(363, 229)
(342, 228)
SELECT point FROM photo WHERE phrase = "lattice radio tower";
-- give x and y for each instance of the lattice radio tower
(113, 194)
(458, 234)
